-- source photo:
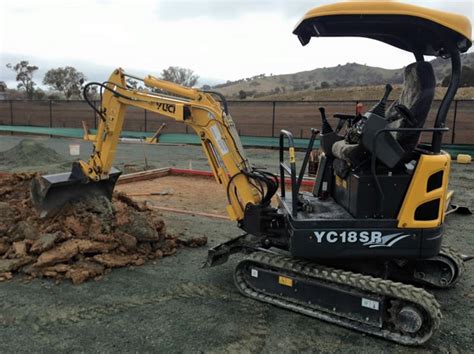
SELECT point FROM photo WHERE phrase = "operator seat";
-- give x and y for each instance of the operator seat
(410, 110)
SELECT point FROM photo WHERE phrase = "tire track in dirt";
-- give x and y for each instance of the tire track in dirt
(252, 339)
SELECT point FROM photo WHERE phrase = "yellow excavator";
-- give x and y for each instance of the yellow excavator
(358, 249)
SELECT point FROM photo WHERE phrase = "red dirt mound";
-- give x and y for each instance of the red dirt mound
(85, 240)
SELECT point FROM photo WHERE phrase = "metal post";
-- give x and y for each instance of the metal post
(11, 112)
(453, 135)
(273, 119)
(50, 113)
(145, 121)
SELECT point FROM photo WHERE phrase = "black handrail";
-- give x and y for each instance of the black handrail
(314, 132)
(295, 183)
(374, 151)
(290, 169)
(448, 98)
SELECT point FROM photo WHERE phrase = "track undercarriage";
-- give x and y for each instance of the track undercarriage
(381, 307)
(387, 303)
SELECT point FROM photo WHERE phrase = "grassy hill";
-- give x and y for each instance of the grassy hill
(348, 81)
(373, 92)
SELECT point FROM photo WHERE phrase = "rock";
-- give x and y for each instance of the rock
(21, 248)
(63, 252)
(130, 202)
(6, 217)
(58, 268)
(44, 243)
(169, 252)
(159, 225)
(197, 241)
(75, 226)
(88, 246)
(4, 247)
(10, 265)
(6, 276)
(81, 271)
(71, 248)
(112, 260)
(22, 230)
(145, 248)
(140, 227)
(126, 240)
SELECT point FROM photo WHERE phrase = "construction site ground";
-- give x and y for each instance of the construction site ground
(174, 305)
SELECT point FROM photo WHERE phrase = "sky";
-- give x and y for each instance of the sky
(219, 39)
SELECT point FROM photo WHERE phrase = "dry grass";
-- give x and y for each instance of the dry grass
(358, 93)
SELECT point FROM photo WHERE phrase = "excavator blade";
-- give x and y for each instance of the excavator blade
(50, 193)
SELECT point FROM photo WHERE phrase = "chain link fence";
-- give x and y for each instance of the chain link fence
(253, 118)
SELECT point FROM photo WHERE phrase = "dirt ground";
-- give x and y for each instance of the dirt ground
(176, 192)
(175, 305)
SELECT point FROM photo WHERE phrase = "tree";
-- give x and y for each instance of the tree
(180, 76)
(206, 87)
(24, 76)
(3, 86)
(66, 80)
(324, 85)
(39, 94)
(242, 94)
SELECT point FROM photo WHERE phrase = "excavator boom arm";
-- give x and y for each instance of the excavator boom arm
(195, 108)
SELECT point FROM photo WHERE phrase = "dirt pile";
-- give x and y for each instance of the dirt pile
(83, 241)
(30, 153)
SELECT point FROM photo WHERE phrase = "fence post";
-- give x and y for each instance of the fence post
(50, 113)
(273, 119)
(453, 135)
(11, 112)
(145, 121)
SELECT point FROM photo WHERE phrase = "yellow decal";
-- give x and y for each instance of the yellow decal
(341, 182)
(285, 281)
(292, 155)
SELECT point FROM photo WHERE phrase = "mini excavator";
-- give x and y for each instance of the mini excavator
(359, 249)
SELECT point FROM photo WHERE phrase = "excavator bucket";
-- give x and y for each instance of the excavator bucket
(50, 193)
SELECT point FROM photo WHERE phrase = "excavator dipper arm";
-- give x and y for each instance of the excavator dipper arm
(195, 108)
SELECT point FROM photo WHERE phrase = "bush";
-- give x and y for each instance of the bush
(467, 78)
(325, 85)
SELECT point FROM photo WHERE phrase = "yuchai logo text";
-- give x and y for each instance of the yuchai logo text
(166, 107)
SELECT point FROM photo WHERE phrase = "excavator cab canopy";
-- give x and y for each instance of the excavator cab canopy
(412, 28)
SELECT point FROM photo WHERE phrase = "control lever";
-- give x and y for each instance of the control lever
(326, 128)
(406, 114)
(379, 108)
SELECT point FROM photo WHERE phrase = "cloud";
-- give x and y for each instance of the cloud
(220, 40)
(170, 10)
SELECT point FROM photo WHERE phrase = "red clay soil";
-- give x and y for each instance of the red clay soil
(191, 193)
(85, 240)
(186, 192)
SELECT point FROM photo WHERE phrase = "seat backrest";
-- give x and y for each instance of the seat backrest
(417, 95)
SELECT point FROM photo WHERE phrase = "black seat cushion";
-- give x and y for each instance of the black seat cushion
(417, 95)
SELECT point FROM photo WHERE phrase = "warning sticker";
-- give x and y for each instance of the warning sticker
(254, 273)
(370, 304)
(285, 281)
(218, 137)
